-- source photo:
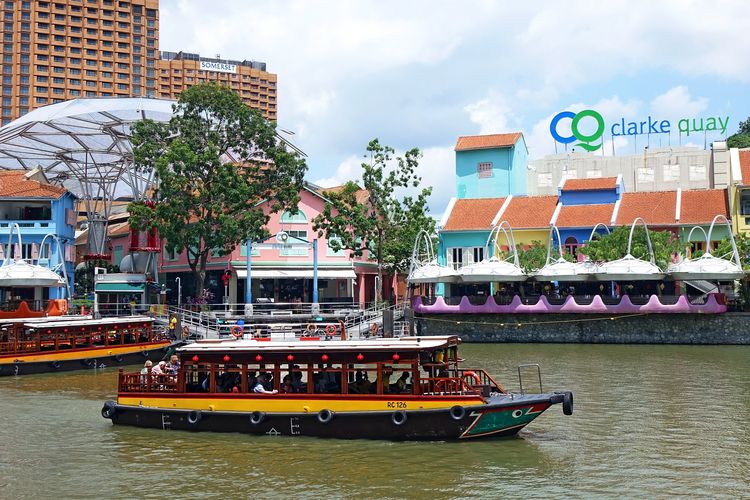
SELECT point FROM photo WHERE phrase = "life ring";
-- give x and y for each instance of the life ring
(442, 385)
(458, 412)
(330, 330)
(55, 365)
(325, 416)
(257, 417)
(568, 403)
(118, 358)
(374, 329)
(237, 331)
(194, 416)
(472, 376)
(311, 329)
(109, 409)
(399, 417)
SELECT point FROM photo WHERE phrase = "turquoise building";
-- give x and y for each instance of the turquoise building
(491, 166)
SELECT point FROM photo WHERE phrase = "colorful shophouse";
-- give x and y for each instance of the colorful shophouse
(38, 208)
(279, 272)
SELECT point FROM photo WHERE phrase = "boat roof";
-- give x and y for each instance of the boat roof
(44, 319)
(401, 344)
(89, 322)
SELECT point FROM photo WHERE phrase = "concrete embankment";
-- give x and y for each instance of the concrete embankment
(702, 329)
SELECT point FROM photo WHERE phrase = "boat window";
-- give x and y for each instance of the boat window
(327, 379)
(362, 379)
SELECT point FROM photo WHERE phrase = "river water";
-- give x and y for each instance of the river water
(652, 421)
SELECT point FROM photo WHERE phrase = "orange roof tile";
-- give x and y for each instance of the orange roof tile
(15, 184)
(590, 184)
(467, 142)
(656, 208)
(530, 211)
(701, 206)
(473, 214)
(361, 195)
(745, 166)
(585, 215)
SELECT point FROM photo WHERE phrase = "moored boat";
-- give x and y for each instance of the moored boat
(411, 388)
(65, 343)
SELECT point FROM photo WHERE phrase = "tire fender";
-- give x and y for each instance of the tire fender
(109, 409)
(257, 417)
(399, 417)
(568, 403)
(325, 416)
(194, 416)
(458, 412)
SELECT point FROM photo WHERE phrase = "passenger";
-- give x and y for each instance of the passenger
(159, 368)
(173, 367)
(403, 380)
(252, 379)
(147, 367)
(286, 385)
(297, 380)
(361, 385)
(259, 386)
(387, 370)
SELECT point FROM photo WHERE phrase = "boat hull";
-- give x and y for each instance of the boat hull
(84, 359)
(501, 417)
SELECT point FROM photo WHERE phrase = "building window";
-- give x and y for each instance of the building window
(117, 255)
(484, 169)
(571, 246)
(295, 237)
(293, 218)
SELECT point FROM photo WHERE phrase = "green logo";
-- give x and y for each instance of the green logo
(584, 140)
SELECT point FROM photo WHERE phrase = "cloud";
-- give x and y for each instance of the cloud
(492, 114)
(677, 103)
(347, 170)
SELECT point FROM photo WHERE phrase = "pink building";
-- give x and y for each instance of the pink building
(279, 272)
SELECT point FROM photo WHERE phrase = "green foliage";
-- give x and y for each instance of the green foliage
(742, 138)
(614, 246)
(203, 201)
(724, 250)
(534, 256)
(386, 223)
(84, 276)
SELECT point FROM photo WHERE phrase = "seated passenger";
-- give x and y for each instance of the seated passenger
(174, 365)
(403, 380)
(259, 386)
(361, 385)
(147, 367)
(286, 385)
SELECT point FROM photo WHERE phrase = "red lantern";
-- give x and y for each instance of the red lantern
(290, 357)
(360, 357)
(65, 330)
(83, 328)
(226, 358)
(49, 331)
(145, 324)
(258, 358)
(100, 328)
(116, 327)
(396, 357)
(195, 358)
(324, 357)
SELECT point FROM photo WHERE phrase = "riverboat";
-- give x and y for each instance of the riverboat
(64, 343)
(409, 388)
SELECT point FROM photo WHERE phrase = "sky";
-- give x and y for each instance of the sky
(421, 73)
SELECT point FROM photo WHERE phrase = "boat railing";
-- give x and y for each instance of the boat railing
(149, 382)
(479, 377)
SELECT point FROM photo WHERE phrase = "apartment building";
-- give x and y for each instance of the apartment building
(65, 49)
(178, 71)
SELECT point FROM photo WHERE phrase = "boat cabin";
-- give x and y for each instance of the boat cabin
(59, 334)
(419, 366)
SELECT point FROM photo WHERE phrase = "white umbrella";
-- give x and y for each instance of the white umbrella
(493, 268)
(562, 270)
(424, 267)
(22, 274)
(708, 267)
(630, 268)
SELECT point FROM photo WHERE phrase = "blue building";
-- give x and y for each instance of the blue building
(491, 166)
(39, 208)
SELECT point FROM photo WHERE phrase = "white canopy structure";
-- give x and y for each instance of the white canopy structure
(707, 267)
(18, 273)
(424, 268)
(495, 269)
(84, 144)
(561, 269)
(630, 268)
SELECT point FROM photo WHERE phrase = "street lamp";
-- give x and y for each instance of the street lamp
(179, 291)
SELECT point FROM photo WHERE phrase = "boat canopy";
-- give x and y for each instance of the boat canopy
(630, 268)
(56, 323)
(394, 344)
(494, 268)
(707, 266)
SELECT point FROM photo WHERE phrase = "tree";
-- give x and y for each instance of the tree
(742, 138)
(534, 256)
(615, 245)
(380, 217)
(203, 201)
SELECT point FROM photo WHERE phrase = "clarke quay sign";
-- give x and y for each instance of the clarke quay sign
(218, 66)
(591, 141)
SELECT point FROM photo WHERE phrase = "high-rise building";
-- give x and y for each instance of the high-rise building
(64, 49)
(178, 71)
(53, 51)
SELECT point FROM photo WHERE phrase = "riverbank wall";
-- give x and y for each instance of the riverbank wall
(698, 329)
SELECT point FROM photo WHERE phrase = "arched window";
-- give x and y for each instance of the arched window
(571, 246)
(298, 217)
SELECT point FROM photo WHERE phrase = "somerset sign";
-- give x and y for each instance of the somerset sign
(591, 141)
(218, 66)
